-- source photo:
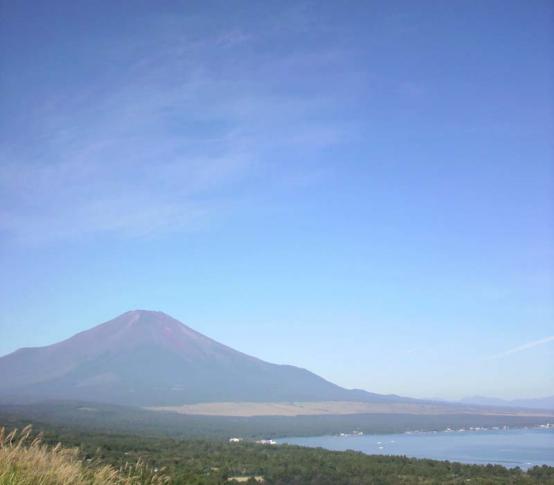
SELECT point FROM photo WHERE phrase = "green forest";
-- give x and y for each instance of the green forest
(216, 461)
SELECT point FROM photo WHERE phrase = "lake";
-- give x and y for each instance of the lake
(513, 447)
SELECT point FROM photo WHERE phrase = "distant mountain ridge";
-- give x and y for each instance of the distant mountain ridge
(148, 358)
(533, 403)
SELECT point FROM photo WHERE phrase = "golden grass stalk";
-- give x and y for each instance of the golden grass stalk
(26, 460)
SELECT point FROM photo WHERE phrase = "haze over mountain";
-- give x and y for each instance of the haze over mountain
(149, 358)
(533, 403)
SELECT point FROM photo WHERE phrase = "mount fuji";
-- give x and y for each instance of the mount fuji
(147, 358)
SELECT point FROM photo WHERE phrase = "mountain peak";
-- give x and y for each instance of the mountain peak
(147, 320)
(140, 328)
(147, 317)
(142, 312)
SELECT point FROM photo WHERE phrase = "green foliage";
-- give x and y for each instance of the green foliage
(213, 462)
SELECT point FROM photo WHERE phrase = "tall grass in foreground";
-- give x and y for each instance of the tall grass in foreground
(26, 460)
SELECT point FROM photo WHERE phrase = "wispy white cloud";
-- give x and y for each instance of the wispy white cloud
(157, 145)
(521, 348)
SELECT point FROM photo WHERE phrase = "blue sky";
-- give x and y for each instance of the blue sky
(364, 189)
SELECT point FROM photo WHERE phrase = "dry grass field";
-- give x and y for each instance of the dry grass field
(25, 460)
(250, 409)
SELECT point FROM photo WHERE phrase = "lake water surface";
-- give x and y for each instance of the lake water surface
(515, 447)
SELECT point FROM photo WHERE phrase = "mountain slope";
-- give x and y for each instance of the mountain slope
(149, 358)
